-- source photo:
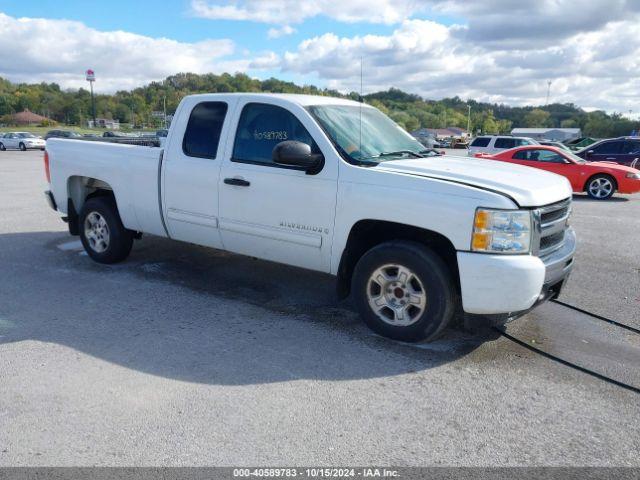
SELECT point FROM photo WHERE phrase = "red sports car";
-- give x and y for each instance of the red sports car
(599, 179)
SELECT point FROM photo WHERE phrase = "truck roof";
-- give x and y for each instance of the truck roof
(303, 100)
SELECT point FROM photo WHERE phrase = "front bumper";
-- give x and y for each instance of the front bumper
(510, 285)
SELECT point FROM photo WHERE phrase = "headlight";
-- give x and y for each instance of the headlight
(501, 231)
(635, 176)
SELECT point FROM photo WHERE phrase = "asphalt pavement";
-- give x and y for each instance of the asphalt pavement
(188, 356)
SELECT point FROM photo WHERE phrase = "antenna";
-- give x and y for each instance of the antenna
(548, 91)
(361, 100)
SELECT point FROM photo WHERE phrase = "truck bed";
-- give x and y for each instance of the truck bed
(131, 171)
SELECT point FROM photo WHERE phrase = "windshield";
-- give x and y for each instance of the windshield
(27, 135)
(364, 133)
(573, 157)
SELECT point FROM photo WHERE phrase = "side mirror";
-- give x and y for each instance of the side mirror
(292, 153)
(589, 153)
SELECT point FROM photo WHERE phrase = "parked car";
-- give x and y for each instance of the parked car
(622, 150)
(550, 143)
(22, 141)
(459, 143)
(287, 178)
(497, 143)
(599, 179)
(579, 143)
(62, 134)
(112, 134)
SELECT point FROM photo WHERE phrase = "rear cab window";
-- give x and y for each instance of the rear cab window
(202, 136)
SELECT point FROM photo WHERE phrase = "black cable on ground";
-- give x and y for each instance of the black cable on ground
(567, 363)
(599, 317)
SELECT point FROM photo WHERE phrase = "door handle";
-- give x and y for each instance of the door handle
(238, 182)
(610, 158)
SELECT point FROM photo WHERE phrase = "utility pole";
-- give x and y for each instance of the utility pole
(469, 121)
(164, 108)
(548, 91)
(91, 77)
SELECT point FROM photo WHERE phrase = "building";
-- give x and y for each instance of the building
(104, 123)
(27, 118)
(556, 134)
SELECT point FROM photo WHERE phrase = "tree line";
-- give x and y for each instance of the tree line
(136, 107)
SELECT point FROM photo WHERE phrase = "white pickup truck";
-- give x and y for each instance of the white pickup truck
(334, 186)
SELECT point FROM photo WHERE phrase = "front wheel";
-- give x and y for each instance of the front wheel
(23, 147)
(601, 187)
(104, 237)
(2, 147)
(404, 291)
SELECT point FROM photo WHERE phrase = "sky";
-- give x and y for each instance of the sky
(501, 51)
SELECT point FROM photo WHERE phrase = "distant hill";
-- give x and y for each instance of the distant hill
(409, 110)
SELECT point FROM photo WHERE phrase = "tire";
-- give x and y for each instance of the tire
(401, 271)
(601, 187)
(23, 147)
(103, 236)
(2, 147)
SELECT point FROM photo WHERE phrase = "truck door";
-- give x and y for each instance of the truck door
(191, 170)
(270, 211)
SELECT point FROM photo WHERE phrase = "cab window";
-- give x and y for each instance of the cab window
(539, 155)
(608, 148)
(202, 136)
(261, 128)
(505, 143)
(481, 142)
(631, 148)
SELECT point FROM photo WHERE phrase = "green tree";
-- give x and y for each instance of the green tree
(537, 118)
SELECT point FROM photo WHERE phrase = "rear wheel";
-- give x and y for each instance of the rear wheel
(404, 291)
(103, 236)
(601, 187)
(22, 147)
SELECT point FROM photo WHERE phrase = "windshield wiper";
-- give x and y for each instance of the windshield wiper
(400, 152)
(394, 154)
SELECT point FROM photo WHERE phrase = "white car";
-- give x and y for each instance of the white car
(497, 143)
(22, 141)
(334, 186)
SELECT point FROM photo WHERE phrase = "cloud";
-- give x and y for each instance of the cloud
(505, 51)
(295, 11)
(531, 25)
(280, 32)
(597, 67)
(35, 50)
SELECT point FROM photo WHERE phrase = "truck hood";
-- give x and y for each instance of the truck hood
(529, 187)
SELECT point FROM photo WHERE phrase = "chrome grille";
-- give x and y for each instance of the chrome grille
(551, 224)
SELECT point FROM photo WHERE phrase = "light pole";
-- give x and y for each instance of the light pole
(91, 77)
(549, 82)
(469, 120)
(164, 108)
